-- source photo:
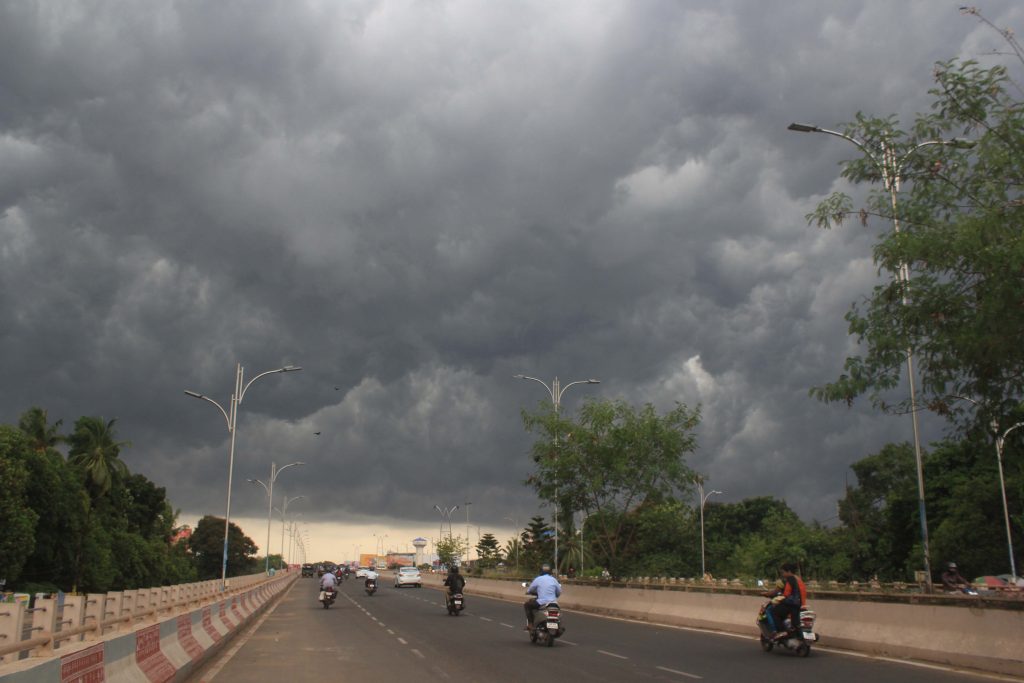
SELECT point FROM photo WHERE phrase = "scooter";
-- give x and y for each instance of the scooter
(371, 586)
(454, 602)
(328, 596)
(794, 639)
(547, 624)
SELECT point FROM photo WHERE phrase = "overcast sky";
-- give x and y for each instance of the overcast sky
(417, 200)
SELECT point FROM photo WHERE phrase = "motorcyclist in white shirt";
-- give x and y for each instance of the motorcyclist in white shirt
(328, 581)
(545, 589)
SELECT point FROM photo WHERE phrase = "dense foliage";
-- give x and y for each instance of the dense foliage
(84, 522)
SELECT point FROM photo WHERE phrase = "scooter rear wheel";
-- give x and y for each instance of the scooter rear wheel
(766, 644)
(803, 650)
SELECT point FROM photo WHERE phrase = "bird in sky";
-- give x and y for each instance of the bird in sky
(316, 433)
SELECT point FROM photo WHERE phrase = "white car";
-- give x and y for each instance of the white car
(408, 576)
(361, 572)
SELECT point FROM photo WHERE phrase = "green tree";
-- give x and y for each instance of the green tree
(961, 223)
(450, 549)
(43, 437)
(609, 462)
(514, 551)
(538, 544)
(95, 448)
(207, 546)
(488, 551)
(17, 519)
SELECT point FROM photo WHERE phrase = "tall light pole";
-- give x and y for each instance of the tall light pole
(285, 502)
(445, 514)
(703, 499)
(231, 416)
(890, 165)
(1000, 440)
(274, 471)
(555, 391)
(467, 504)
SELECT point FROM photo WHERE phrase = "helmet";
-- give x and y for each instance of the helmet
(545, 568)
(454, 569)
(952, 565)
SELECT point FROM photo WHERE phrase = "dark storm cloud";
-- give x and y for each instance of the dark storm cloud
(416, 201)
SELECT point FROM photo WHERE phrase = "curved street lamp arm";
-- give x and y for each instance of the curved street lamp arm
(257, 481)
(282, 469)
(579, 381)
(287, 368)
(551, 393)
(203, 397)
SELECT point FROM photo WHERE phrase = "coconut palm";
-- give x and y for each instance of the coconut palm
(95, 449)
(43, 437)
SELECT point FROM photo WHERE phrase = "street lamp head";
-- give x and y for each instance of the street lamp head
(593, 381)
(518, 376)
(193, 394)
(803, 128)
(961, 143)
(290, 368)
(718, 492)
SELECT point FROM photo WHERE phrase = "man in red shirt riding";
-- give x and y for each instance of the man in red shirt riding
(794, 599)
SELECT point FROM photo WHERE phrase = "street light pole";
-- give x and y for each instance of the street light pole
(467, 504)
(890, 166)
(555, 391)
(703, 499)
(270, 505)
(1000, 441)
(286, 501)
(232, 420)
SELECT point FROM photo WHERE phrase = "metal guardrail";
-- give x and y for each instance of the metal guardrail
(77, 618)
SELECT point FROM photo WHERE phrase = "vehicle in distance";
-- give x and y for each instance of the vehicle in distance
(308, 570)
(408, 576)
(361, 572)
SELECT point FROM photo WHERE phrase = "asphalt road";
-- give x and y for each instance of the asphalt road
(406, 634)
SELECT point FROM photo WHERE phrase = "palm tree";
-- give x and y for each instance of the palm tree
(43, 437)
(95, 449)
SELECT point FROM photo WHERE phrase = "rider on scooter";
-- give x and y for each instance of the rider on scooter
(545, 589)
(794, 599)
(455, 583)
(371, 575)
(328, 582)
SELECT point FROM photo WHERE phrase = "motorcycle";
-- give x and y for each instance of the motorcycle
(794, 639)
(371, 586)
(454, 602)
(328, 596)
(547, 624)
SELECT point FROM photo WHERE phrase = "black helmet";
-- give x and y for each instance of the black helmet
(454, 569)
(545, 568)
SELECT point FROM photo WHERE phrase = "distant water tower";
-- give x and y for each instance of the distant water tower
(421, 556)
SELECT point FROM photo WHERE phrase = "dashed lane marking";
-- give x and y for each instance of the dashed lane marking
(403, 641)
(506, 625)
(612, 654)
(676, 671)
(417, 653)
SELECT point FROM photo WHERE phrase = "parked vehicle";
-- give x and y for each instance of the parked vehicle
(328, 596)
(455, 603)
(371, 586)
(797, 640)
(408, 576)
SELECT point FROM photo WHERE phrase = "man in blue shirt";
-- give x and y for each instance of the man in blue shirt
(545, 589)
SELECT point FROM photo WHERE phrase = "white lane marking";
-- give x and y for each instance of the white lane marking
(486, 619)
(674, 671)
(381, 623)
(612, 654)
(390, 632)
(418, 653)
(567, 642)
(403, 641)
(506, 625)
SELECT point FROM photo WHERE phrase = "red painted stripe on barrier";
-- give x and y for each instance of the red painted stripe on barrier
(208, 624)
(188, 641)
(84, 666)
(223, 607)
(156, 667)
